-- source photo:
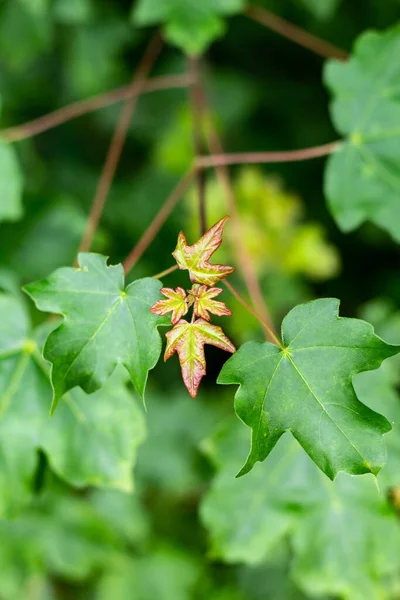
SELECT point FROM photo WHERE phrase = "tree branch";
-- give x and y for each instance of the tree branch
(243, 256)
(296, 34)
(83, 107)
(241, 158)
(118, 141)
(158, 220)
(196, 108)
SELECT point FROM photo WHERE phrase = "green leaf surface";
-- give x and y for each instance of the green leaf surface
(10, 184)
(90, 441)
(306, 388)
(188, 24)
(363, 177)
(344, 537)
(105, 325)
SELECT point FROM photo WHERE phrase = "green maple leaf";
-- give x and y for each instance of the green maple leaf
(196, 258)
(105, 325)
(306, 387)
(342, 534)
(188, 24)
(79, 441)
(188, 340)
(363, 177)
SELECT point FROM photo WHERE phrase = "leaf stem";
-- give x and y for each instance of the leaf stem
(240, 158)
(166, 272)
(243, 257)
(273, 337)
(296, 34)
(83, 107)
(196, 109)
(118, 141)
(159, 220)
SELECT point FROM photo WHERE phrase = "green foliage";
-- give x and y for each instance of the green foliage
(85, 349)
(322, 9)
(306, 387)
(363, 177)
(10, 184)
(343, 535)
(188, 24)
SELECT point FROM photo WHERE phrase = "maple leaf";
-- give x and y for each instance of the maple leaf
(187, 340)
(195, 258)
(204, 304)
(175, 303)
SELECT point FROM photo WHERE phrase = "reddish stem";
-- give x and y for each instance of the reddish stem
(118, 141)
(159, 220)
(296, 34)
(241, 158)
(83, 107)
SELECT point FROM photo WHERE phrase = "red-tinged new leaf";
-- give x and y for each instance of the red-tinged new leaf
(195, 258)
(175, 303)
(204, 303)
(187, 340)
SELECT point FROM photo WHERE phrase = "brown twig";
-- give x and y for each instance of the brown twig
(295, 33)
(158, 220)
(243, 256)
(117, 142)
(83, 107)
(267, 328)
(241, 158)
(196, 108)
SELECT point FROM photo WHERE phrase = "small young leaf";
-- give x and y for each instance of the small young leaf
(195, 258)
(306, 388)
(105, 325)
(204, 304)
(187, 340)
(176, 303)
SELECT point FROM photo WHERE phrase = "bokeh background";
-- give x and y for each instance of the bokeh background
(183, 534)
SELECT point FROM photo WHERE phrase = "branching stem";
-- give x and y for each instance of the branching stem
(158, 220)
(241, 158)
(83, 107)
(296, 34)
(118, 141)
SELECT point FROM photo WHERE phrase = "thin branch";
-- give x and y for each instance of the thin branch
(166, 272)
(241, 158)
(83, 107)
(118, 141)
(296, 34)
(158, 220)
(243, 257)
(196, 108)
(265, 325)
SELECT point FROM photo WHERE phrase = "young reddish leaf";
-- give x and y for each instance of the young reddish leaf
(188, 339)
(176, 304)
(196, 258)
(204, 304)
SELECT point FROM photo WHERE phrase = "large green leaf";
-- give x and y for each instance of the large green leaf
(188, 24)
(306, 388)
(363, 177)
(344, 538)
(10, 184)
(88, 442)
(105, 325)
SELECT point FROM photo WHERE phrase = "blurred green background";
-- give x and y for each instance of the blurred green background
(184, 533)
